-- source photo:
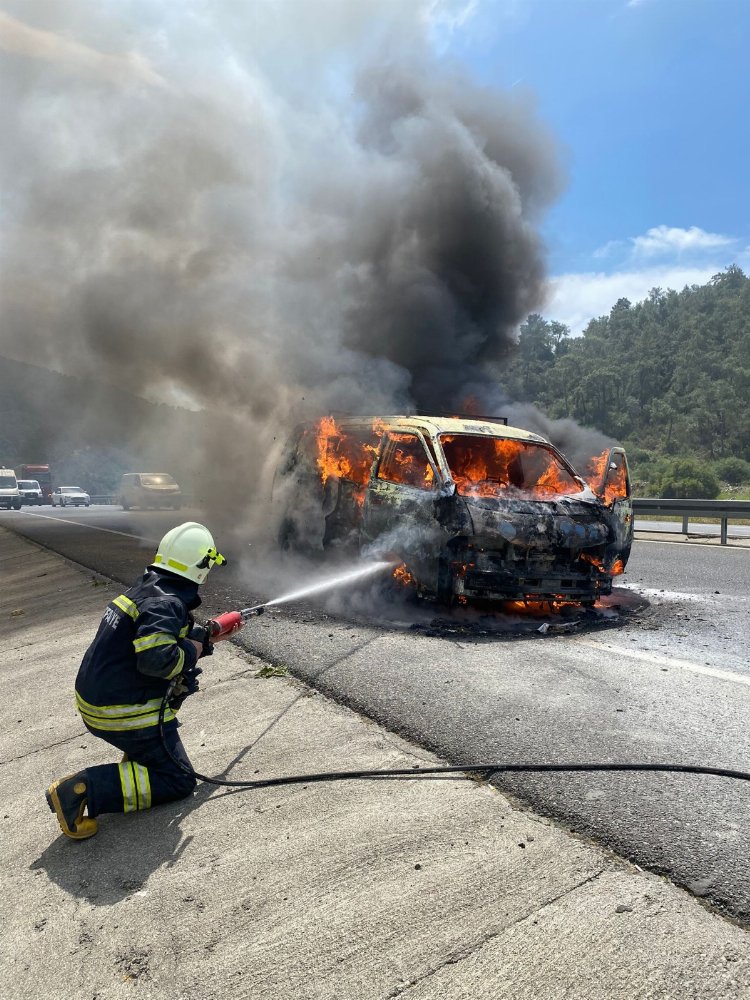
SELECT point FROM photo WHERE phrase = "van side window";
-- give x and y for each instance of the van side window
(405, 462)
(617, 482)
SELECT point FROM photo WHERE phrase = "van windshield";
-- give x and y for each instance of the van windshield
(487, 466)
(7, 482)
(28, 484)
(157, 480)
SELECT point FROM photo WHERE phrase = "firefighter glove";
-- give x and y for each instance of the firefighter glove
(186, 684)
(201, 634)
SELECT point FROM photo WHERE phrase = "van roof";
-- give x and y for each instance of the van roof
(443, 425)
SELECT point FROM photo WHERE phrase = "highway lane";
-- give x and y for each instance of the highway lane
(670, 683)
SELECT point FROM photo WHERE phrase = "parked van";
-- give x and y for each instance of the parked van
(9, 493)
(149, 489)
(31, 492)
(475, 509)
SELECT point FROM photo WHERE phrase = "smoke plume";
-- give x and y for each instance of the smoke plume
(263, 211)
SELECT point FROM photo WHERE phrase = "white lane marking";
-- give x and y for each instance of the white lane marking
(666, 661)
(92, 527)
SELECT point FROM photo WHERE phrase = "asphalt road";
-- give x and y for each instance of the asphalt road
(659, 675)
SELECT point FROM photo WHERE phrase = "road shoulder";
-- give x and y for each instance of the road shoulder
(421, 889)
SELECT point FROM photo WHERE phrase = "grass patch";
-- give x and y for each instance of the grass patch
(272, 670)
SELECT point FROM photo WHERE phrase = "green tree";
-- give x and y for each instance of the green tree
(734, 471)
(687, 477)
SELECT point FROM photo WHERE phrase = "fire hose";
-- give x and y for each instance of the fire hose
(232, 621)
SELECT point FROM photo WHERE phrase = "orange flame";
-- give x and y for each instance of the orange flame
(345, 456)
(608, 483)
(617, 568)
(487, 467)
(403, 576)
(587, 557)
(538, 607)
(409, 464)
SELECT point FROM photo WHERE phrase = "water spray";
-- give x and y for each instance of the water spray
(230, 622)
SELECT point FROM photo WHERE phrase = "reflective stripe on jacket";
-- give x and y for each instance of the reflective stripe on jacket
(141, 644)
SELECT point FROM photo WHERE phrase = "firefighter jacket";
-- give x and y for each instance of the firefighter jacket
(141, 644)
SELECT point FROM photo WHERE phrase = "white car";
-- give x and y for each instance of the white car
(70, 496)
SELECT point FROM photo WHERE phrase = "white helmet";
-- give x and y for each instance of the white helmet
(188, 550)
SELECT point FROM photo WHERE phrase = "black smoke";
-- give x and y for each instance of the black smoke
(262, 213)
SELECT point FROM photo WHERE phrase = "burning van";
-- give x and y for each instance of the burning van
(472, 508)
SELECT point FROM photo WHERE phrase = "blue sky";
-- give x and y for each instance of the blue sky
(650, 101)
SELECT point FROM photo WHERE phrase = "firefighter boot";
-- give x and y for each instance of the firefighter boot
(66, 797)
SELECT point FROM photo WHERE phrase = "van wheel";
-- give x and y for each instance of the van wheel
(16, 506)
(125, 506)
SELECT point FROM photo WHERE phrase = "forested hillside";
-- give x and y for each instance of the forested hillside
(669, 377)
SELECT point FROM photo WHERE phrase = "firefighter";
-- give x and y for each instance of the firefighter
(146, 639)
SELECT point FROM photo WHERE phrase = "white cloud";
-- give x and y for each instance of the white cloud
(663, 240)
(577, 298)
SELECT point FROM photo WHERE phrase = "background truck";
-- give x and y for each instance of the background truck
(42, 475)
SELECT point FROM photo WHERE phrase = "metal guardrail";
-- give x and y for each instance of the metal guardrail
(722, 510)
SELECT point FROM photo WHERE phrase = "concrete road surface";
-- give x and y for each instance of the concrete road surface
(421, 889)
(670, 682)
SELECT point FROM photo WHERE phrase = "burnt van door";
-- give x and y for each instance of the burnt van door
(617, 493)
(402, 486)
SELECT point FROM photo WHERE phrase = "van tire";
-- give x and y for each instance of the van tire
(125, 506)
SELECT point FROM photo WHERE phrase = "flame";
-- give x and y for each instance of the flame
(608, 483)
(539, 607)
(587, 557)
(617, 568)
(344, 455)
(402, 575)
(409, 464)
(487, 466)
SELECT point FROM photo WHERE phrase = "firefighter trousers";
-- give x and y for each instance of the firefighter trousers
(147, 778)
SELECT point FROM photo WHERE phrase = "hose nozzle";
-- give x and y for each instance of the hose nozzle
(230, 622)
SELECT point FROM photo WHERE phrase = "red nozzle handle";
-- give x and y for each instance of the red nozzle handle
(224, 625)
